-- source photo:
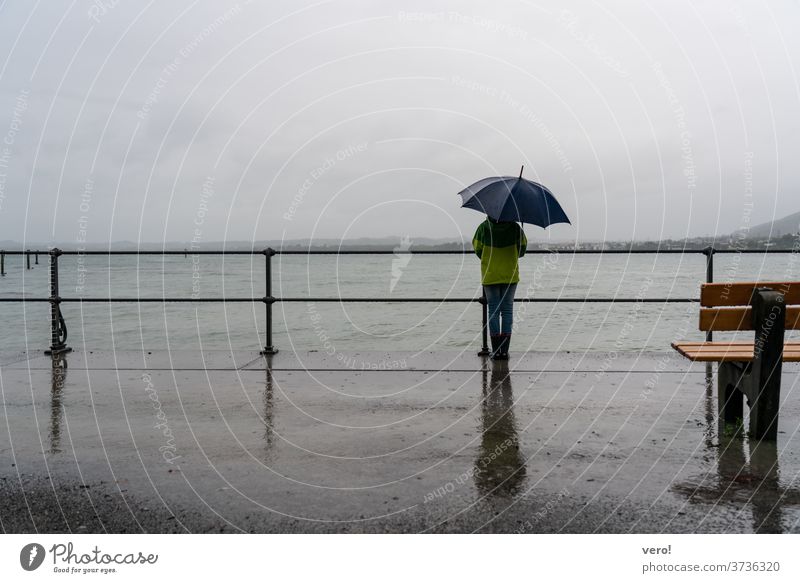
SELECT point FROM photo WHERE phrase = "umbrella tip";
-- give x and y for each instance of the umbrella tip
(521, 168)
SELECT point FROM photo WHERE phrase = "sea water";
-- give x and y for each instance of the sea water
(312, 324)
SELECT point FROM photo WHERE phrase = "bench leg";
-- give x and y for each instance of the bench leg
(730, 407)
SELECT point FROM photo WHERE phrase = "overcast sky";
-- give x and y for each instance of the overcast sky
(168, 121)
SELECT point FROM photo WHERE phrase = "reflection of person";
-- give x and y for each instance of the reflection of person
(499, 246)
(500, 466)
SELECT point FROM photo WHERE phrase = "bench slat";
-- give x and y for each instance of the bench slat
(729, 319)
(729, 352)
(717, 351)
(739, 293)
(732, 343)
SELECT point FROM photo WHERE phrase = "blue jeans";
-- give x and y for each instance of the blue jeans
(500, 302)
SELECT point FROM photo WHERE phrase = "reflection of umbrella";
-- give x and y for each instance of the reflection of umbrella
(505, 198)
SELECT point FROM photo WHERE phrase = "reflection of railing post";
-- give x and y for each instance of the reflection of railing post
(709, 253)
(485, 326)
(58, 329)
(269, 300)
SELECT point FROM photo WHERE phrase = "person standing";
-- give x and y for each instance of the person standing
(499, 245)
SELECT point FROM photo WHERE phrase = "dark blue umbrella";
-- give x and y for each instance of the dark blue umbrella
(505, 198)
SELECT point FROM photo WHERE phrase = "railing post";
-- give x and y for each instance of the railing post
(28, 258)
(2, 262)
(58, 328)
(37, 258)
(709, 253)
(269, 300)
(484, 326)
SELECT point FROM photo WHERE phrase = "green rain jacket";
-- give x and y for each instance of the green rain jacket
(499, 245)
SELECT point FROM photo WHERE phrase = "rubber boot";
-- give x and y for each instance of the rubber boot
(496, 340)
(505, 342)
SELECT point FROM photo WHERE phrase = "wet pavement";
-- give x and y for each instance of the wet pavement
(383, 442)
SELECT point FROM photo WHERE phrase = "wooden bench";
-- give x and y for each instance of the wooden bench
(748, 369)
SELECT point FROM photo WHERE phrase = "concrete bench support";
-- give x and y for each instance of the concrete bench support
(760, 380)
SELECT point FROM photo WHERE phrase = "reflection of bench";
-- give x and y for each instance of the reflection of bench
(751, 369)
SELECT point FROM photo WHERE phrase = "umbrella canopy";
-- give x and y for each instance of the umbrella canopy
(506, 198)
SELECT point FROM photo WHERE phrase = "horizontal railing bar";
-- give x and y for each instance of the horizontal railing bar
(380, 252)
(133, 300)
(24, 299)
(477, 299)
(162, 300)
(354, 300)
(256, 252)
(186, 252)
(542, 252)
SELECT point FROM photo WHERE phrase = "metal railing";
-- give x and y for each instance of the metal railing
(58, 328)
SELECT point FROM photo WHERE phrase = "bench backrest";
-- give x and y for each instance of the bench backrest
(726, 306)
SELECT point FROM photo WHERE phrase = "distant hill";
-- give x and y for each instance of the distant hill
(788, 225)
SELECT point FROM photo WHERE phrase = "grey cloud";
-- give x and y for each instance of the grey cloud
(599, 103)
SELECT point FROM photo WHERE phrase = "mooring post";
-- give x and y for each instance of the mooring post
(709, 253)
(268, 300)
(58, 328)
(484, 326)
